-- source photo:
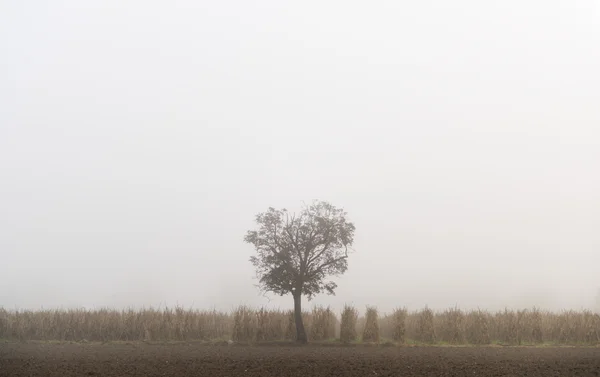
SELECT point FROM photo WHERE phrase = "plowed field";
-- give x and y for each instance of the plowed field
(46, 359)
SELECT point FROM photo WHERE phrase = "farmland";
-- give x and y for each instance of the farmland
(259, 342)
(190, 359)
(249, 325)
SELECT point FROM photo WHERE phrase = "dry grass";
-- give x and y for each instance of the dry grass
(425, 326)
(399, 325)
(477, 327)
(452, 329)
(290, 332)
(348, 324)
(572, 327)
(371, 329)
(322, 324)
(245, 324)
(261, 325)
(109, 325)
(530, 326)
(394, 325)
(507, 327)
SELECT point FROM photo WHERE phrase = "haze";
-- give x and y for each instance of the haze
(139, 139)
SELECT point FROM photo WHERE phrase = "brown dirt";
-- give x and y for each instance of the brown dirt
(46, 359)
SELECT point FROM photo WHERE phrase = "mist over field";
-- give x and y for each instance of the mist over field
(139, 140)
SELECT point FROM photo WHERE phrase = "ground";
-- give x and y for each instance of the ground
(139, 359)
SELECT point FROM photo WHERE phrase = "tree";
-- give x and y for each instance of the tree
(296, 253)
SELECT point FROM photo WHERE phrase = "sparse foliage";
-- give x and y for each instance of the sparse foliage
(297, 253)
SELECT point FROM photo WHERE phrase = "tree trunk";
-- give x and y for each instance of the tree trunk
(300, 332)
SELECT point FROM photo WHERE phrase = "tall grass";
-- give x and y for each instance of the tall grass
(322, 324)
(398, 320)
(477, 327)
(245, 324)
(290, 332)
(451, 326)
(107, 324)
(425, 326)
(348, 323)
(371, 325)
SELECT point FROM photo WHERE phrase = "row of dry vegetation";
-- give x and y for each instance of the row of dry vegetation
(452, 326)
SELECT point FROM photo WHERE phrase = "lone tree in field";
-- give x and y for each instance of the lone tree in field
(296, 253)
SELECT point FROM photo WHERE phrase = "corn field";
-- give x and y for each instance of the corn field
(245, 324)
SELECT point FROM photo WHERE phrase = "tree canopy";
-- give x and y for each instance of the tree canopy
(296, 253)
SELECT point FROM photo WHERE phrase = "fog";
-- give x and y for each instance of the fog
(139, 139)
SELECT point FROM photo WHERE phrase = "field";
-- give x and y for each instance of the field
(192, 359)
(258, 342)
(247, 325)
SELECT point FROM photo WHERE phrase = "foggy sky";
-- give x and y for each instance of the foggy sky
(138, 140)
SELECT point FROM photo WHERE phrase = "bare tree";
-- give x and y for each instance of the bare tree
(296, 253)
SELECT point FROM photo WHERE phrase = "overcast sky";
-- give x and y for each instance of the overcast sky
(138, 140)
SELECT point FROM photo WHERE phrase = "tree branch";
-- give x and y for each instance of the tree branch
(319, 254)
(321, 267)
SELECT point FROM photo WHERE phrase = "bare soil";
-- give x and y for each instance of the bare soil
(139, 359)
